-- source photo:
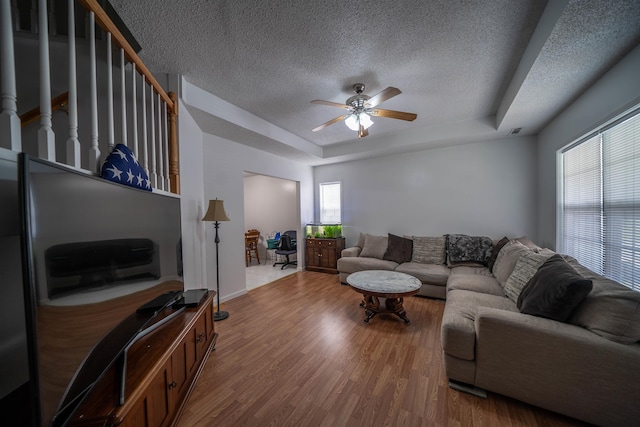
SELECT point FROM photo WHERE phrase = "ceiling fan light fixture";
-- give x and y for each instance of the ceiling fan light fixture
(365, 120)
(352, 122)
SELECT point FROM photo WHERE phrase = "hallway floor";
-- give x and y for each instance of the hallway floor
(261, 274)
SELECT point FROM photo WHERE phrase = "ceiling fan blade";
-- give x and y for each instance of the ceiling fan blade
(330, 122)
(362, 132)
(393, 114)
(388, 93)
(330, 104)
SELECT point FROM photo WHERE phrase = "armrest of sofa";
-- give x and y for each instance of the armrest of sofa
(353, 251)
(557, 366)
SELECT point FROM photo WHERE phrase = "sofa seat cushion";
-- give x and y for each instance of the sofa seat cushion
(476, 283)
(471, 270)
(426, 273)
(458, 331)
(353, 264)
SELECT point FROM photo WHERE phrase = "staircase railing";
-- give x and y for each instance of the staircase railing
(57, 103)
(147, 114)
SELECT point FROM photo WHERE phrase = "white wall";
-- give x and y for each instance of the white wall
(485, 188)
(270, 205)
(225, 162)
(614, 93)
(193, 205)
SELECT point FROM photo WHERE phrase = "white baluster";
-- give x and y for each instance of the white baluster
(110, 125)
(9, 120)
(46, 137)
(123, 98)
(160, 139)
(165, 147)
(134, 110)
(73, 145)
(144, 147)
(152, 144)
(94, 151)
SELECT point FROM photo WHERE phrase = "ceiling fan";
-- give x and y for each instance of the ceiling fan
(360, 107)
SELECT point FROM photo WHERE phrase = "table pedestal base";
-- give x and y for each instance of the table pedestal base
(371, 304)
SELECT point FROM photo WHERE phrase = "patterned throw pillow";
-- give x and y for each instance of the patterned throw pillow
(468, 250)
(526, 267)
(121, 166)
(429, 250)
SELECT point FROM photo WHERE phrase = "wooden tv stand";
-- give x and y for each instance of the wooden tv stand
(161, 369)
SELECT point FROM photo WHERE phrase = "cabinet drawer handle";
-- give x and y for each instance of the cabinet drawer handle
(173, 385)
(200, 338)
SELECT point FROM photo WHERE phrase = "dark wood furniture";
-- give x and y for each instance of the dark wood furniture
(322, 254)
(162, 368)
(251, 240)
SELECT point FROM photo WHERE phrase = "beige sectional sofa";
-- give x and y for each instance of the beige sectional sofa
(573, 354)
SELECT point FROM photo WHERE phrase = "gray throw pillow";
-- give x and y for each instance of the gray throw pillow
(429, 250)
(374, 246)
(554, 291)
(399, 249)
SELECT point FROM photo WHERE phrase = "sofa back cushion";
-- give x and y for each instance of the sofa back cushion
(611, 309)
(507, 259)
(429, 250)
(495, 251)
(374, 246)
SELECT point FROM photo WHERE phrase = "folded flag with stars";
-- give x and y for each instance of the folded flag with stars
(122, 166)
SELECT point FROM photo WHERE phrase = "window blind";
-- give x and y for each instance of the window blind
(601, 201)
(330, 206)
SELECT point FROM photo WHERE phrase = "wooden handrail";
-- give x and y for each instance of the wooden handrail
(107, 24)
(34, 114)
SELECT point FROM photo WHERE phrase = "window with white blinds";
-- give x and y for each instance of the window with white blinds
(330, 206)
(601, 201)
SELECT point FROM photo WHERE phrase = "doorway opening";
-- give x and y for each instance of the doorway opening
(271, 206)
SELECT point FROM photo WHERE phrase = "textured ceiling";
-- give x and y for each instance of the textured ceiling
(455, 61)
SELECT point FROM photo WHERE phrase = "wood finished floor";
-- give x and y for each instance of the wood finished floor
(296, 352)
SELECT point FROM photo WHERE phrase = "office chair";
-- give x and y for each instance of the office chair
(287, 245)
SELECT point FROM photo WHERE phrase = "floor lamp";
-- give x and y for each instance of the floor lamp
(216, 213)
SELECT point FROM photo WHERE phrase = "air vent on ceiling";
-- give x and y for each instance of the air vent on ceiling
(515, 131)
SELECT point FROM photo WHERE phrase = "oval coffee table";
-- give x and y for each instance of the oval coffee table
(392, 285)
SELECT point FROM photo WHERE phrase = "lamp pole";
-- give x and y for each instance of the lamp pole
(218, 315)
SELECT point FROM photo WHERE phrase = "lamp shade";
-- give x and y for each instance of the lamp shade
(216, 212)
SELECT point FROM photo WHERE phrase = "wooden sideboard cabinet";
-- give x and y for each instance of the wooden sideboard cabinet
(162, 368)
(322, 254)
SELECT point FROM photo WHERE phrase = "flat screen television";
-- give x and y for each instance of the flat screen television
(94, 251)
